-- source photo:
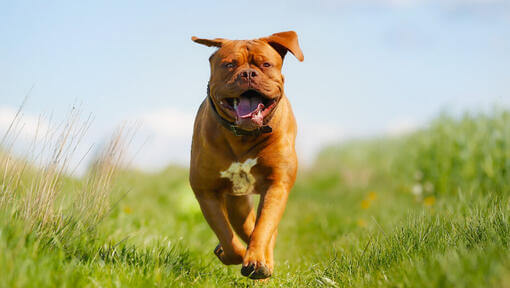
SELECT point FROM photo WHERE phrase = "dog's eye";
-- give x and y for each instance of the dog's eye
(266, 64)
(230, 65)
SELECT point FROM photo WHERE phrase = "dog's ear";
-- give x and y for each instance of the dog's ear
(285, 41)
(217, 42)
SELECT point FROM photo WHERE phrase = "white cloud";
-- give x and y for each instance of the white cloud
(169, 122)
(402, 126)
(312, 137)
(25, 127)
(164, 137)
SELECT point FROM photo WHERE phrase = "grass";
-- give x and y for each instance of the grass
(428, 209)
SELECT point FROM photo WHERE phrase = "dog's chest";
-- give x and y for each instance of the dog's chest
(241, 176)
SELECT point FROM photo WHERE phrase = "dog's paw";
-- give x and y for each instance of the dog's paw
(256, 271)
(227, 259)
(255, 267)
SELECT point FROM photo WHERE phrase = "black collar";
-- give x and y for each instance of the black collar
(232, 127)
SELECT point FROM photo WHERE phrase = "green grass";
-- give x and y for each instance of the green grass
(429, 209)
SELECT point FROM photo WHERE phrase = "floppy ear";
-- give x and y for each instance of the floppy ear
(285, 41)
(217, 42)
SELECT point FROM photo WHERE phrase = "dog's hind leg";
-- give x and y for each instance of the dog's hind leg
(241, 215)
(231, 250)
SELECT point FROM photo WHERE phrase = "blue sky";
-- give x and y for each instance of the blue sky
(371, 66)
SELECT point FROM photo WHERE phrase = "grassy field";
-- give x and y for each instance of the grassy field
(428, 209)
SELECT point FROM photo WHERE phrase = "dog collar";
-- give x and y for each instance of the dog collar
(237, 131)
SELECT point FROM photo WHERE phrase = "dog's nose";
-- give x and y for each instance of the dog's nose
(248, 74)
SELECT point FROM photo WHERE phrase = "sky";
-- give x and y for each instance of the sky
(372, 67)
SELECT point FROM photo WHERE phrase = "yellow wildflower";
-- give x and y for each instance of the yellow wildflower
(365, 204)
(429, 201)
(361, 223)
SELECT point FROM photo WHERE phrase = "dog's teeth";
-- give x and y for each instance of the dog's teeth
(235, 103)
(221, 102)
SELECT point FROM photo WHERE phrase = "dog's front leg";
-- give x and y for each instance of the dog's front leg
(230, 250)
(272, 206)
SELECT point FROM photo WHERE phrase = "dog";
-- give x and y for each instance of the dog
(243, 144)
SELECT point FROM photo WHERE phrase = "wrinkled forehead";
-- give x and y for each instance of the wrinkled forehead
(247, 50)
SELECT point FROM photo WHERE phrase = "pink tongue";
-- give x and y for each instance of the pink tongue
(248, 106)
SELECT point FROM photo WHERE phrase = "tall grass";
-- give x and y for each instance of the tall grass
(32, 184)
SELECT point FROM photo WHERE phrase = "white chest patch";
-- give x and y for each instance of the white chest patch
(240, 176)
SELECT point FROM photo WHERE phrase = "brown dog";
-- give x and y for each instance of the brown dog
(243, 143)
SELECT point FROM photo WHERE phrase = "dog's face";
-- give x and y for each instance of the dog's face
(246, 83)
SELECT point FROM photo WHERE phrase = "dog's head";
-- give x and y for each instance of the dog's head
(246, 83)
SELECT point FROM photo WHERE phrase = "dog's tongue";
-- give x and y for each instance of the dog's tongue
(248, 106)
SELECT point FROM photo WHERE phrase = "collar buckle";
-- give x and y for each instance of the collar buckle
(234, 130)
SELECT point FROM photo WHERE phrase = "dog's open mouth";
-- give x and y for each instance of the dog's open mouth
(251, 106)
